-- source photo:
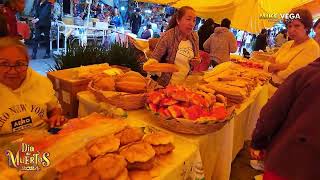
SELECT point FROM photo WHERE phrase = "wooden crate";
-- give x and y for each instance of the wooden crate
(67, 86)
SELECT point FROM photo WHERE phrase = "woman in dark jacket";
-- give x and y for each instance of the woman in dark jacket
(205, 32)
(261, 41)
(288, 128)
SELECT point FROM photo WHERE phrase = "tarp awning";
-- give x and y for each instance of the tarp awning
(249, 15)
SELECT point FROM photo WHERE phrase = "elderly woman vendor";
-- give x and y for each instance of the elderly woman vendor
(179, 45)
(294, 54)
(27, 98)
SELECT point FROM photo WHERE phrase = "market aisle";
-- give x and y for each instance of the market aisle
(241, 169)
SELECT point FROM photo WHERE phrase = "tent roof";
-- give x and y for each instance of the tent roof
(244, 14)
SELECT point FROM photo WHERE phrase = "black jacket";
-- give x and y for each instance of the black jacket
(288, 126)
(135, 22)
(204, 33)
(261, 42)
(43, 12)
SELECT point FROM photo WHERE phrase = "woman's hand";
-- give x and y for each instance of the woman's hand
(256, 154)
(55, 118)
(273, 68)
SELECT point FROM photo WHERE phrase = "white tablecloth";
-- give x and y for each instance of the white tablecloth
(217, 149)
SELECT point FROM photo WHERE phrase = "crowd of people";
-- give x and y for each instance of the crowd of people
(286, 135)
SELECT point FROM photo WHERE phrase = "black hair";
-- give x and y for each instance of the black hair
(226, 23)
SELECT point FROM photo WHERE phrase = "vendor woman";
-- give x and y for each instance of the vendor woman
(294, 54)
(179, 45)
(27, 98)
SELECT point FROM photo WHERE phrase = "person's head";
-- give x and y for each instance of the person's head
(184, 18)
(115, 11)
(14, 61)
(316, 27)
(226, 23)
(299, 25)
(138, 10)
(263, 31)
(17, 5)
(208, 22)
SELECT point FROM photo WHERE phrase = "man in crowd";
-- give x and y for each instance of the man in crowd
(42, 23)
(135, 21)
(261, 41)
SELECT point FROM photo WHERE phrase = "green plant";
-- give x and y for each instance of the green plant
(119, 54)
(77, 56)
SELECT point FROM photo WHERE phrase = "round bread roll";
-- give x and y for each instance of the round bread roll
(124, 175)
(103, 145)
(158, 138)
(131, 82)
(163, 148)
(105, 83)
(140, 175)
(79, 158)
(79, 173)
(138, 152)
(129, 135)
(109, 166)
(141, 165)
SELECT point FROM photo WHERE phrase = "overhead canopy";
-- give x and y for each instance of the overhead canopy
(313, 7)
(244, 14)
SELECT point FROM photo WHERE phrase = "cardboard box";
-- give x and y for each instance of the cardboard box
(66, 85)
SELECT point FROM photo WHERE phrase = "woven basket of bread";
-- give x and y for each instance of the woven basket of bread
(186, 126)
(128, 94)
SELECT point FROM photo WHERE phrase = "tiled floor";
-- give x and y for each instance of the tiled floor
(40, 65)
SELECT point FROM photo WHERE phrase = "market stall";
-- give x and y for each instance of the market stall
(207, 118)
(218, 149)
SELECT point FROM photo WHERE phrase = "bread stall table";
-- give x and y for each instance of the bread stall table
(216, 150)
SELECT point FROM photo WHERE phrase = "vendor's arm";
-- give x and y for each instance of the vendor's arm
(274, 113)
(160, 49)
(54, 110)
(308, 55)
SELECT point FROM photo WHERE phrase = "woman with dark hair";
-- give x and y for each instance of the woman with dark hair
(294, 54)
(179, 45)
(316, 29)
(221, 43)
(148, 33)
(205, 32)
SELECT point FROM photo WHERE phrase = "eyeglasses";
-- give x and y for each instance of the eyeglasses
(18, 67)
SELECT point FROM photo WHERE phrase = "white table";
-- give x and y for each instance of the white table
(217, 150)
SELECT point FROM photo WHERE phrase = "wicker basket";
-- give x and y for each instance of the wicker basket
(126, 101)
(186, 126)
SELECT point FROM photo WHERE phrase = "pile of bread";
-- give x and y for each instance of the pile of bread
(127, 155)
(236, 83)
(129, 82)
